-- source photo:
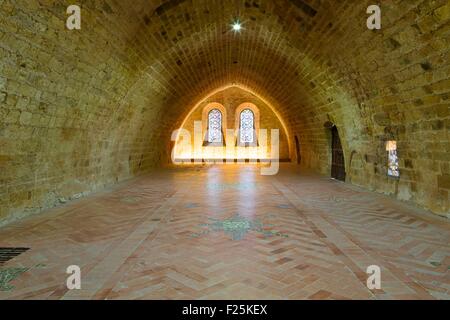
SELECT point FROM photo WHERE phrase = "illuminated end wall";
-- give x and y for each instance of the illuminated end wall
(231, 102)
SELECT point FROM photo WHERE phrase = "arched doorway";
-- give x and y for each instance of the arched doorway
(337, 162)
(297, 149)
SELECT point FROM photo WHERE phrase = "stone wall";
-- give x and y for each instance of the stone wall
(71, 115)
(393, 85)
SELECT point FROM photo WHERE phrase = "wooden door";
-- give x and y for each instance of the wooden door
(338, 163)
(297, 148)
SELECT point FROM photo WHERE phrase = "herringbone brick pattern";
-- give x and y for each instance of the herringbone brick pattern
(226, 232)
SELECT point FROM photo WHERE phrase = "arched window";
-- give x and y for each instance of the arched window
(215, 126)
(393, 165)
(247, 126)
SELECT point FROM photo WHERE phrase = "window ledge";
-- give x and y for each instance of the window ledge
(214, 144)
(247, 145)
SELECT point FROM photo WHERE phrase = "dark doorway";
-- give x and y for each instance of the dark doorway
(337, 162)
(297, 148)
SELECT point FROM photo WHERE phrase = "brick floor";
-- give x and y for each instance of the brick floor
(226, 232)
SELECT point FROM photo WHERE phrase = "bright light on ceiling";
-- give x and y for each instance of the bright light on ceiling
(237, 26)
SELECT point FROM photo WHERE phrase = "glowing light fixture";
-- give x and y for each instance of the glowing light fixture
(237, 27)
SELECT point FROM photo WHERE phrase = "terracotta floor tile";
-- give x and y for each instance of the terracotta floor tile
(226, 232)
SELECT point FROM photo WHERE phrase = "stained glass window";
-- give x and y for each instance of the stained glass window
(215, 126)
(247, 126)
(393, 170)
